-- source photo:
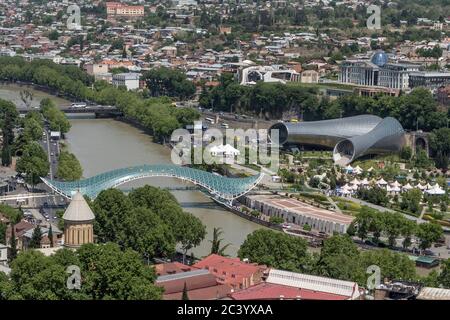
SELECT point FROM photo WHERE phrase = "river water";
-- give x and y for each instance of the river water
(105, 144)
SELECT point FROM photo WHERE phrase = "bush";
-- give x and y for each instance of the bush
(276, 220)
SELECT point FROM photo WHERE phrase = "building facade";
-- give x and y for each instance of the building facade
(129, 80)
(430, 80)
(117, 9)
(78, 223)
(377, 72)
(299, 213)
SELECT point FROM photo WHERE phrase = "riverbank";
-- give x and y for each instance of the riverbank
(106, 144)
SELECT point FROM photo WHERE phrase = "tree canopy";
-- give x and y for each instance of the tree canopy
(33, 163)
(148, 220)
(107, 273)
(275, 249)
(69, 168)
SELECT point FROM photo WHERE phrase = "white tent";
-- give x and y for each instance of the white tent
(224, 150)
(355, 182)
(381, 182)
(435, 190)
(395, 184)
(407, 187)
(358, 170)
(365, 182)
(429, 186)
(349, 169)
(421, 187)
(345, 189)
(370, 169)
(393, 189)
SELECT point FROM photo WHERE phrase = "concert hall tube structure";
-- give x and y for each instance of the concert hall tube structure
(349, 138)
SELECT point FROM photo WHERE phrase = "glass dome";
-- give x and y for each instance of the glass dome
(380, 58)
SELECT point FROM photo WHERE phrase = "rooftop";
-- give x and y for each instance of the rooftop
(302, 208)
(271, 291)
(78, 209)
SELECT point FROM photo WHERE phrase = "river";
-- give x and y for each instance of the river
(11, 92)
(105, 144)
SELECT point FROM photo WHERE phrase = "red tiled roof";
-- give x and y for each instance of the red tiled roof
(229, 270)
(192, 283)
(209, 293)
(21, 227)
(270, 291)
(172, 268)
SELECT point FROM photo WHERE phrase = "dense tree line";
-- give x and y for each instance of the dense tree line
(439, 142)
(415, 110)
(8, 119)
(168, 82)
(392, 225)
(56, 119)
(339, 257)
(107, 273)
(148, 220)
(156, 114)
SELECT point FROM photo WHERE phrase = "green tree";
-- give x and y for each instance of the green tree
(145, 232)
(110, 273)
(444, 276)
(393, 265)
(428, 233)
(393, 225)
(275, 249)
(193, 232)
(408, 229)
(411, 201)
(406, 153)
(50, 236)
(33, 163)
(32, 130)
(439, 141)
(340, 259)
(172, 83)
(56, 118)
(276, 220)
(69, 168)
(216, 242)
(36, 237)
(6, 155)
(13, 244)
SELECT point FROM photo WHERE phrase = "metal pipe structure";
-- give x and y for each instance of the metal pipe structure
(350, 138)
(387, 137)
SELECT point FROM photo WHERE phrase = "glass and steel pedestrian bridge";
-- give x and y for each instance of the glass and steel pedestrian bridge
(218, 186)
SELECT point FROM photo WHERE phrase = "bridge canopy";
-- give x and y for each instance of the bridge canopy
(218, 186)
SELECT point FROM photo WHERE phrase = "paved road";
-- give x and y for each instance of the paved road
(52, 149)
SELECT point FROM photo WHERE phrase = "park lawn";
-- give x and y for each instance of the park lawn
(347, 206)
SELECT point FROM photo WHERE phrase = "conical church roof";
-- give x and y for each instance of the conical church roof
(78, 210)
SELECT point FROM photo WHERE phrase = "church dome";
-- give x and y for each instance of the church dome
(380, 58)
(78, 210)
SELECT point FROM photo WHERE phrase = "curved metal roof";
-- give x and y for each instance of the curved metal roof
(326, 132)
(387, 136)
(350, 137)
(219, 186)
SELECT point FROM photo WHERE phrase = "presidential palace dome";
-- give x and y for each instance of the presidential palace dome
(380, 58)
